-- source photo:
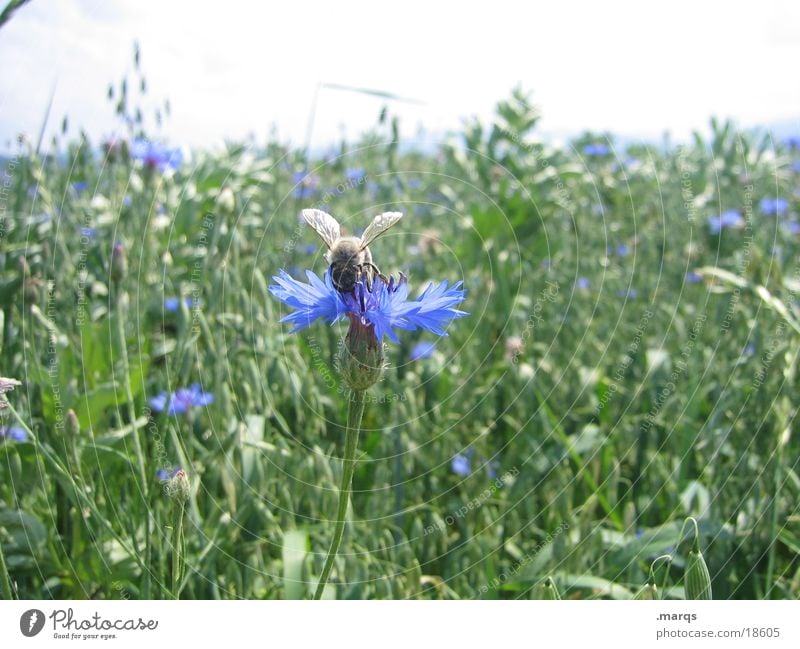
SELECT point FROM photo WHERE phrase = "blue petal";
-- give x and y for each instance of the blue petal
(159, 402)
(422, 350)
(311, 301)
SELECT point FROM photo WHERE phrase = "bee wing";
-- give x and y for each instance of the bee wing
(379, 225)
(325, 226)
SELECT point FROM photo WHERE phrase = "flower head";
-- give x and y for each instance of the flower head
(773, 206)
(305, 184)
(355, 174)
(13, 433)
(595, 150)
(792, 142)
(172, 304)
(383, 307)
(156, 156)
(181, 400)
(461, 464)
(729, 219)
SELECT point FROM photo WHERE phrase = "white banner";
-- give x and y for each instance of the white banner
(401, 624)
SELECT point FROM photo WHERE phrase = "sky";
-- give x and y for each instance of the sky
(238, 68)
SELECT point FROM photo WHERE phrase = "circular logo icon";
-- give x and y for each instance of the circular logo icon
(31, 622)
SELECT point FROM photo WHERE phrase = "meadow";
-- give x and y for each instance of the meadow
(623, 389)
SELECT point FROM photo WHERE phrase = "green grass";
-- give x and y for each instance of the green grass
(610, 421)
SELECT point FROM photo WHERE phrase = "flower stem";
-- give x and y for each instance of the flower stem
(355, 412)
(137, 445)
(177, 548)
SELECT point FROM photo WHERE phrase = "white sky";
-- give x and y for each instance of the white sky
(233, 68)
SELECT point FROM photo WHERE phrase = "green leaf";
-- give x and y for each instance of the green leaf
(295, 550)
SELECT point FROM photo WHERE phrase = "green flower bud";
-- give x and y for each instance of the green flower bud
(177, 487)
(119, 263)
(361, 357)
(73, 425)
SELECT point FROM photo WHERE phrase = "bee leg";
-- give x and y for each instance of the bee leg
(377, 271)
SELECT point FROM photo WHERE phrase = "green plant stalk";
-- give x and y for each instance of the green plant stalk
(777, 483)
(137, 444)
(355, 412)
(177, 548)
(50, 459)
(6, 583)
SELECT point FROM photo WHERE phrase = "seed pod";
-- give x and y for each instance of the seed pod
(697, 580)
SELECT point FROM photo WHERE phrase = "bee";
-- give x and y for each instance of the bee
(349, 257)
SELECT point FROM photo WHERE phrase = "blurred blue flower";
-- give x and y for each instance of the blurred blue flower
(729, 219)
(414, 183)
(792, 142)
(181, 400)
(386, 306)
(88, 232)
(310, 249)
(461, 463)
(167, 474)
(623, 250)
(546, 263)
(596, 150)
(13, 433)
(773, 206)
(422, 349)
(80, 186)
(127, 201)
(156, 156)
(693, 277)
(355, 174)
(630, 293)
(171, 304)
(305, 184)
(792, 227)
(796, 166)
(749, 350)
(583, 282)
